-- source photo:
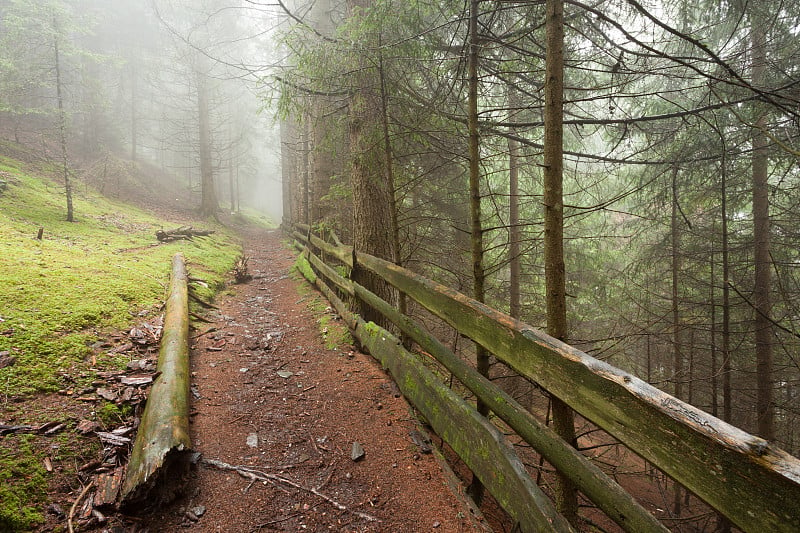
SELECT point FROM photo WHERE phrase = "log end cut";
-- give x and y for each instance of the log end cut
(163, 486)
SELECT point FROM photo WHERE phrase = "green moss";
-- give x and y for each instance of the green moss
(22, 484)
(334, 333)
(81, 282)
(304, 267)
(110, 414)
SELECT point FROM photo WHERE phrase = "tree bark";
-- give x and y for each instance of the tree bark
(209, 204)
(62, 124)
(513, 216)
(476, 229)
(305, 175)
(369, 180)
(555, 270)
(726, 299)
(134, 110)
(761, 246)
(677, 353)
(325, 138)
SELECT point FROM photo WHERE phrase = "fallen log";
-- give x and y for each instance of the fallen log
(159, 462)
(182, 233)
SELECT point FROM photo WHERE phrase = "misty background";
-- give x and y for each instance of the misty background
(140, 81)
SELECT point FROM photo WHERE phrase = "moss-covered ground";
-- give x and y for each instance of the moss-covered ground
(332, 329)
(59, 294)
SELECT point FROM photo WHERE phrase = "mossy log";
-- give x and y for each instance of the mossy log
(159, 462)
(182, 233)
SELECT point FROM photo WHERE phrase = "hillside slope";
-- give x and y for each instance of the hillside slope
(78, 305)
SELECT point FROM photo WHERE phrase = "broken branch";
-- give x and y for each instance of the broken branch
(272, 478)
(75, 505)
(182, 233)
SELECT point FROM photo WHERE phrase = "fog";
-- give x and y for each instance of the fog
(181, 86)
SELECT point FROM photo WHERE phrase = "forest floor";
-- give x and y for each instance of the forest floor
(279, 389)
(281, 402)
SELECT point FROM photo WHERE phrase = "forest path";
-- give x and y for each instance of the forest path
(269, 396)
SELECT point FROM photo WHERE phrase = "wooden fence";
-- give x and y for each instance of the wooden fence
(743, 477)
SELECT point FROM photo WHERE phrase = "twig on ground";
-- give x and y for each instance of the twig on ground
(202, 302)
(206, 332)
(313, 443)
(276, 521)
(263, 476)
(200, 318)
(327, 479)
(75, 505)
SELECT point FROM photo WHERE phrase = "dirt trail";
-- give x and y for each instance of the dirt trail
(269, 396)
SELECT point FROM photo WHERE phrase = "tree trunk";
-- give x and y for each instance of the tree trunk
(389, 162)
(677, 366)
(209, 204)
(134, 121)
(231, 180)
(555, 271)
(761, 244)
(723, 525)
(513, 216)
(305, 175)
(726, 298)
(369, 181)
(712, 299)
(476, 229)
(159, 462)
(62, 125)
(288, 131)
(325, 138)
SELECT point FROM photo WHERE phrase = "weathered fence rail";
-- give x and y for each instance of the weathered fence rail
(743, 477)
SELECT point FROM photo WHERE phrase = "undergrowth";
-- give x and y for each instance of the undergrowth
(82, 279)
